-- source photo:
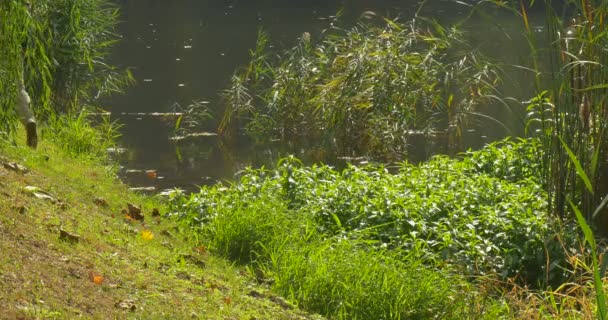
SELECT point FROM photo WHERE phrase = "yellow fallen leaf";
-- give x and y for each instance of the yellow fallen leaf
(147, 235)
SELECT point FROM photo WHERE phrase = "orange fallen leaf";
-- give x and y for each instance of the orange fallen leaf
(147, 235)
(151, 174)
(96, 278)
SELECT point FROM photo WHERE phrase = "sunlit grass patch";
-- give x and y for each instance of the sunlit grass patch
(80, 256)
(331, 240)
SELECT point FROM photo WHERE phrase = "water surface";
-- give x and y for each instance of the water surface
(182, 51)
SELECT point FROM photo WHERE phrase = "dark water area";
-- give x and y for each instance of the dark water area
(182, 51)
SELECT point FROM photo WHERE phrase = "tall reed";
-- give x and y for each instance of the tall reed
(365, 90)
(571, 106)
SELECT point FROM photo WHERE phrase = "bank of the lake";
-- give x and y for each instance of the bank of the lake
(72, 248)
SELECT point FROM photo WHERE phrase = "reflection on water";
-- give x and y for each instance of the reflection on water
(186, 50)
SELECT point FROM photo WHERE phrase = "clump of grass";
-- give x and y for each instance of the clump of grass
(363, 90)
(350, 280)
(81, 136)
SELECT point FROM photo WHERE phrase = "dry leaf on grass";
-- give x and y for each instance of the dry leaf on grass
(68, 236)
(16, 167)
(126, 305)
(41, 194)
(96, 278)
(100, 202)
(134, 212)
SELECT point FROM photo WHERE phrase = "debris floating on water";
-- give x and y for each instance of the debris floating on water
(116, 150)
(193, 135)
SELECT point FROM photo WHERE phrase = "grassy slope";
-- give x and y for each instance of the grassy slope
(169, 277)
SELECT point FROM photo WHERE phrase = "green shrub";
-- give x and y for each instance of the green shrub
(463, 213)
(340, 276)
(454, 210)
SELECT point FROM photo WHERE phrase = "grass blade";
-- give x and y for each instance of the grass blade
(579, 169)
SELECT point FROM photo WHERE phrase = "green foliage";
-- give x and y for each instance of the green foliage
(455, 211)
(363, 90)
(364, 241)
(79, 135)
(350, 280)
(513, 161)
(569, 111)
(60, 48)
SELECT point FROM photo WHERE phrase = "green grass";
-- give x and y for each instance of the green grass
(446, 238)
(171, 276)
(485, 213)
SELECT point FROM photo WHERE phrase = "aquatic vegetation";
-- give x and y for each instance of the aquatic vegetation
(569, 112)
(362, 91)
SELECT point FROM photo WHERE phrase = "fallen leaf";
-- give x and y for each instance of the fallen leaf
(41, 194)
(126, 305)
(135, 212)
(201, 249)
(192, 259)
(100, 202)
(16, 167)
(151, 174)
(97, 279)
(128, 217)
(147, 235)
(227, 300)
(67, 236)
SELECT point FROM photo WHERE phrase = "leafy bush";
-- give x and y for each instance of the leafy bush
(461, 212)
(509, 160)
(363, 90)
(343, 278)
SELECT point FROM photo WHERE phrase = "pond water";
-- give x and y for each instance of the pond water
(182, 51)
